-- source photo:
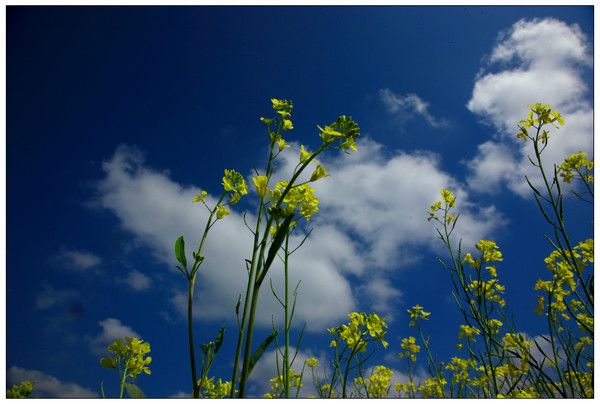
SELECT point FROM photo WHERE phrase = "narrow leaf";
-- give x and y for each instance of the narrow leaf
(180, 251)
(277, 241)
(133, 391)
(261, 350)
(219, 339)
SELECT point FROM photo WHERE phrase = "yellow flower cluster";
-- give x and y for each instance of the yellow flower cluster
(494, 325)
(22, 390)
(433, 388)
(312, 362)
(562, 264)
(410, 347)
(490, 290)
(131, 355)
(344, 131)
(467, 331)
(357, 331)
(489, 250)
(408, 388)
(460, 369)
(300, 196)
(201, 197)
(277, 384)
(218, 389)
(573, 164)
(448, 201)
(234, 182)
(519, 347)
(539, 115)
(378, 384)
(416, 313)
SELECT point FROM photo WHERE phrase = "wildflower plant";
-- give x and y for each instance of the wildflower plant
(279, 210)
(129, 358)
(234, 187)
(351, 342)
(500, 362)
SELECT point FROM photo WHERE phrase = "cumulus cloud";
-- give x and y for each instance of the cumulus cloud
(137, 281)
(46, 386)
(134, 193)
(77, 259)
(409, 106)
(111, 330)
(372, 217)
(540, 60)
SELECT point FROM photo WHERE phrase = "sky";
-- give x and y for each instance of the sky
(117, 116)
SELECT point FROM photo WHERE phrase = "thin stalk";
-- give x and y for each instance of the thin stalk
(123, 382)
(286, 358)
(260, 275)
(191, 284)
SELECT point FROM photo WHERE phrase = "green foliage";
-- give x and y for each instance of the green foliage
(22, 390)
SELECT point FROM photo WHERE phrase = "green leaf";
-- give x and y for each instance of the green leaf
(180, 251)
(107, 362)
(277, 241)
(261, 350)
(133, 391)
(219, 339)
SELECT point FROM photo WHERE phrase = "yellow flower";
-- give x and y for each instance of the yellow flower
(417, 312)
(489, 250)
(222, 212)
(304, 154)
(260, 182)
(448, 197)
(470, 260)
(312, 362)
(287, 124)
(320, 172)
(233, 181)
(466, 331)
(282, 144)
(201, 197)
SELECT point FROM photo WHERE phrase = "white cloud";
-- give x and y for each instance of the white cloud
(181, 394)
(409, 106)
(50, 297)
(373, 211)
(46, 386)
(541, 60)
(111, 330)
(137, 281)
(78, 260)
(135, 193)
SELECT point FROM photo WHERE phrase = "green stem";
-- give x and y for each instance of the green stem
(191, 284)
(286, 358)
(251, 278)
(259, 276)
(123, 382)
(195, 389)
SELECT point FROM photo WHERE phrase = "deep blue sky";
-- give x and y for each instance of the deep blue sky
(185, 85)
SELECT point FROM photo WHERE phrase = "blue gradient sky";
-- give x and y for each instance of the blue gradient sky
(184, 87)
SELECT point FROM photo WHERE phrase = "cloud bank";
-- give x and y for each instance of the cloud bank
(372, 217)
